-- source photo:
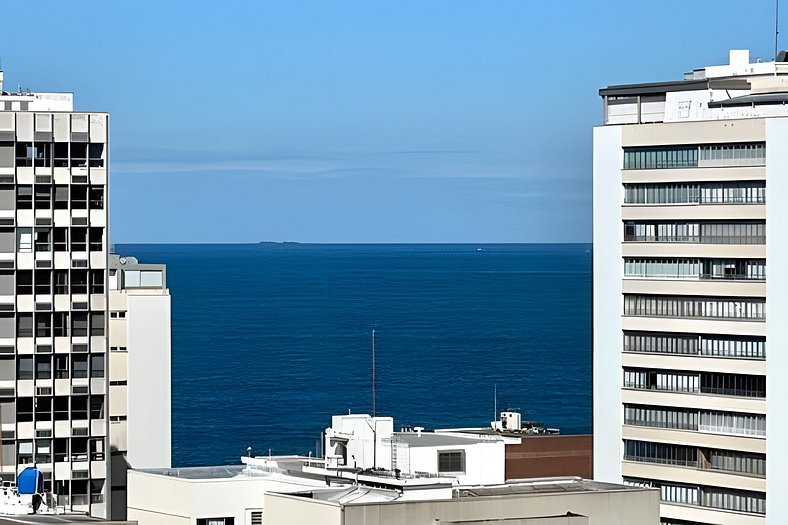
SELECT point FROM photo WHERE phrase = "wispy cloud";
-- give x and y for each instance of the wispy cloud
(404, 164)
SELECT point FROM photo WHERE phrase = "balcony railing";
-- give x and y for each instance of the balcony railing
(699, 239)
(731, 277)
(664, 461)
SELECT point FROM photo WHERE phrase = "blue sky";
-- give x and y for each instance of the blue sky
(359, 121)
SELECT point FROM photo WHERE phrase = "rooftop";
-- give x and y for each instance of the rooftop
(60, 519)
(545, 486)
(740, 89)
(432, 439)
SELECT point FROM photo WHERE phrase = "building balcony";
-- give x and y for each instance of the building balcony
(694, 211)
(690, 475)
(692, 325)
(696, 362)
(703, 514)
(698, 239)
(693, 250)
(733, 287)
(699, 401)
(696, 437)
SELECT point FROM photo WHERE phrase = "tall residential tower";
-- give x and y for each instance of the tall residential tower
(690, 202)
(53, 295)
(80, 416)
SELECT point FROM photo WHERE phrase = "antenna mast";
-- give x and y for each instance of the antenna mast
(776, 30)
(373, 372)
(495, 405)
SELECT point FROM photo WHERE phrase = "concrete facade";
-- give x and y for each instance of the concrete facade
(688, 210)
(139, 373)
(506, 505)
(54, 165)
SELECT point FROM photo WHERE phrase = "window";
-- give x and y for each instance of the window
(696, 232)
(97, 365)
(96, 155)
(451, 461)
(79, 155)
(61, 281)
(745, 154)
(79, 366)
(43, 197)
(24, 240)
(6, 154)
(97, 407)
(732, 423)
(61, 154)
(43, 324)
(97, 323)
(659, 417)
(660, 157)
(79, 324)
(79, 410)
(96, 239)
(24, 368)
(43, 367)
(216, 521)
(61, 197)
(61, 366)
(24, 325)
(695, 307)
(24, 282)
(96, 197)
(79, 240)
(24, 154)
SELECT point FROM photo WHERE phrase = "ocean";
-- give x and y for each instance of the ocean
(269, 340)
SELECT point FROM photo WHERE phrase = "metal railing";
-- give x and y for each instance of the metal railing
(699, 239)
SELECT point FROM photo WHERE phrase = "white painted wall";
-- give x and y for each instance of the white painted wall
(364, 429)
(155, 499)
(776, 316)
(149, 427)
(607, 303)
(484, 462)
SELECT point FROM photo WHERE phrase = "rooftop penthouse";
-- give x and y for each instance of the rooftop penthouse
(31, 101)
(738, 90)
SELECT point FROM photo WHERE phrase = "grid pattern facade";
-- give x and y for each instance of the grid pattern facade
(675, 445)
(53, 302)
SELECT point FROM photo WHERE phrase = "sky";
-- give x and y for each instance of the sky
(359, 121)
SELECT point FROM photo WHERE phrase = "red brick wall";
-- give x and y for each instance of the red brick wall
(547, 456)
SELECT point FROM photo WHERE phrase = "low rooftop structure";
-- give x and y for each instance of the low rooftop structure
(59, 519)
(563, 501)
(411, 476)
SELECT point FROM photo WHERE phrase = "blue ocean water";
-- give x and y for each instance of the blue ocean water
(270, 340)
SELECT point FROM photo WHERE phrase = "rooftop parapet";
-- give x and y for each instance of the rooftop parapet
(710, 93)
(34, 101)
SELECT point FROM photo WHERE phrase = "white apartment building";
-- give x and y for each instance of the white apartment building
(690, 198)
(63, 312)
(139, 364)
(53, 295)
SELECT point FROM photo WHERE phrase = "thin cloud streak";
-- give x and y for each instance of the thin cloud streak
(413, 164)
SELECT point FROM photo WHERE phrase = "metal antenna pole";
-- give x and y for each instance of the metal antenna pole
(776, 30)
(495, 406)
(373, 373)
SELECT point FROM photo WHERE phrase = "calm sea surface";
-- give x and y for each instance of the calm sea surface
(270, 340)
